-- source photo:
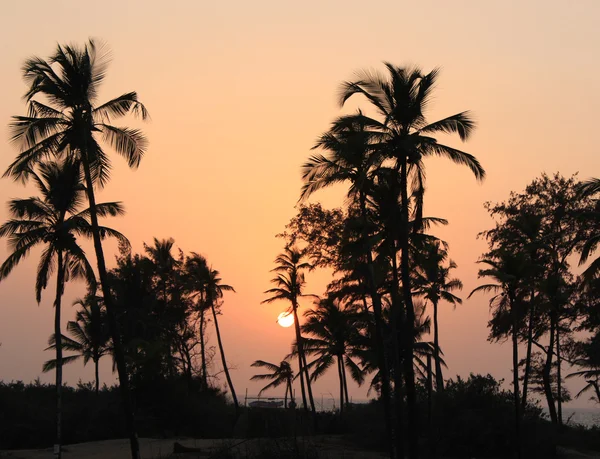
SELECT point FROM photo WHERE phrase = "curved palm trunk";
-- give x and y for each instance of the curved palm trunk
(301, 359)
(311, 400)
(409, 372)
(382, 362)
(341, 377)
(112, 318)
(60, 281)
(204, 377)
(558, 377)
(529, 349)
(516, 397)
(546, 372)
(97, 373)
(345, 382)
(439, 380)
(224, 362)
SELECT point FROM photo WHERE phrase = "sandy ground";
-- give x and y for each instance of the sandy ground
(330, 447)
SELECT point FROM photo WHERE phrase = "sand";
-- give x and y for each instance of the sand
(330, 446)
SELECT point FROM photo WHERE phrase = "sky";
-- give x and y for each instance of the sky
(239, 91)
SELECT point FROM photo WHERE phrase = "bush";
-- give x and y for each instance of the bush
(28, 413)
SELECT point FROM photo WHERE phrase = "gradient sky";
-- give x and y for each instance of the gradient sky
(238, 92)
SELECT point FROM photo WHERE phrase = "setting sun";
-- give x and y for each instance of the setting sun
(285, 319)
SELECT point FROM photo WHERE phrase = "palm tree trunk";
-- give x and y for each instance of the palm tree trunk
(97, 373)
(546, 373)
(60, 281)
(409, 373)
(397, 320)
(439, 380)
(345, 382)
(516, 397)
(432, 434)
(203, 377)
(341, 377)
(558, 377)
(301, 372)
(112, 318)
(528, 355)
(224, 362)
(311, 399)
(382, 361)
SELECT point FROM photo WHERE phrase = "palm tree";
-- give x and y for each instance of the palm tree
(54, 221)
(289, 284)
(400, 101)
(332, 330)
(89, 336)
(164, 264)
(351, 157)
(433, 282)
(214, 293)
(196, 268)
(280, 374)
(507, 270)
(589, 189)
(71, 123)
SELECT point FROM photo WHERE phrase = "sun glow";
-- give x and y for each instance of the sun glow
(285, 319)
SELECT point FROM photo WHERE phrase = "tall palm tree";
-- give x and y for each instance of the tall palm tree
(65, 119)
(331, 331)
(289, 285)
(433, 282)
(89, 337)
(54, 221)
(590, 189)
(507, 269)
(280, 374)
(214, 294)
(400, 100)
(351, 156)
(196, 268)
(164, 264)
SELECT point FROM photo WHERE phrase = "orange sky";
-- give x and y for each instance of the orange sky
(238, 92)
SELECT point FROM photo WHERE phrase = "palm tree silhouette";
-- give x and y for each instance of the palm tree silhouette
(400, 100)
(331, 331)
(70, 124)
(290, 282)
(89, 336)
(196, 268)
(54, 221)
(164, 265)
(214, 294)
(280, 374)
(590, 189)
(433, 282)
(351, 149)
(507, 270)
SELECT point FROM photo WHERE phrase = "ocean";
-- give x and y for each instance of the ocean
(587, 417)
